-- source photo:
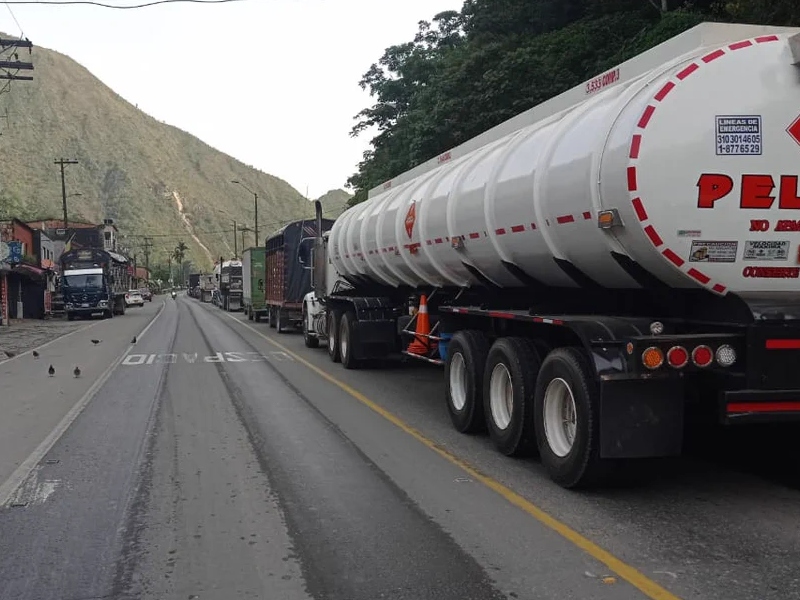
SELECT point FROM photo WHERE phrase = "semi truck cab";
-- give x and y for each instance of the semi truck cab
(86, 292)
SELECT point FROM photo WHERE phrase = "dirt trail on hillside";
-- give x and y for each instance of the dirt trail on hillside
(189, 227)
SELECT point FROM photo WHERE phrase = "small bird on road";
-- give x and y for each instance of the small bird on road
(35, 354)
(133, 341)
(51, 371)
(95, 342)
(77, 372)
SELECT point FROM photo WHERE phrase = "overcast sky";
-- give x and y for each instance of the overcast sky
(273, 83)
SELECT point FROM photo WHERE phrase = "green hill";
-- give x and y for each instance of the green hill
(334, 203)
(151, 178)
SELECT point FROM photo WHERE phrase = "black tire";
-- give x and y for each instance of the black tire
(309, 340)
(257, 317)
(333, 318)
(581, 466)
(521, 362)
(271, 317)
(348, 334)
(70, 316)
(466, 411)
(279, 324)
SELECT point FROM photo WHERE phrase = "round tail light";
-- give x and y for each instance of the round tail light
(726, 355)
(677, 357)
(652, 358)
(702, 356)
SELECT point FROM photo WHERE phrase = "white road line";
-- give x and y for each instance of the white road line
(18, 477)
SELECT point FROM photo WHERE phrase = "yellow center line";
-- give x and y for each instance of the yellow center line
(647, 586)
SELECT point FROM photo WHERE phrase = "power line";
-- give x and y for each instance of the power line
(103, 5)
(13, 16)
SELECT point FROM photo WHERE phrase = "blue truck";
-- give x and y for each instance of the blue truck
(94, 281)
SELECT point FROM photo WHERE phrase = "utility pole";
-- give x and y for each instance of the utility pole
(62, 162)
(15, 65)
(255, 204)
(235, 249)
(148, 243)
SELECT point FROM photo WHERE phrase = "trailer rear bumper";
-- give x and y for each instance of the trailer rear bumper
(759, 406)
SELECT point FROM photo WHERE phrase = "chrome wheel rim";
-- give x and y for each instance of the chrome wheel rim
(501, 396)
(458, 381)
(560, 417)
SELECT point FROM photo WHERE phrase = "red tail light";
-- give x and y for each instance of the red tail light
(677, 357)
(702, 356)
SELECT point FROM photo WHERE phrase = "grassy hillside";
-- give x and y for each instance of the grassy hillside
(152, 178)
(334, 203)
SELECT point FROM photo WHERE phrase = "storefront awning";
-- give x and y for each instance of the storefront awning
(30, 271)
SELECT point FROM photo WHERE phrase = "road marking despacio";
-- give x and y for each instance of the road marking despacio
(135, 360)
(629, 573)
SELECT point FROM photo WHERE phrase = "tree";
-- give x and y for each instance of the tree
(180, 252)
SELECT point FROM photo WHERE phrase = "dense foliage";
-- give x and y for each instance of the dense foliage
(467, 71)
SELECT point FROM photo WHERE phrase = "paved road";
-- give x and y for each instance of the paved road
(212, 463)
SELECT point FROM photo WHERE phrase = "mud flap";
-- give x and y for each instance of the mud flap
(641, 418)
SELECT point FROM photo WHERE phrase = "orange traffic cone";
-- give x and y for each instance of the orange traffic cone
(421, 342)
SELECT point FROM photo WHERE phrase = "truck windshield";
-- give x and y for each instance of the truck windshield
(90, 282)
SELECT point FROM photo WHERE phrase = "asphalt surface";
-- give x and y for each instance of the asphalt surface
(213, 463)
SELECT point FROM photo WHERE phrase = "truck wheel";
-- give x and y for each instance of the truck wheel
(256, 316)
(70, 316)
(509, 385)
(271, 317)
(279, 321)
(248, 314)
(334, 316)
(463, 375)
(566, 408)
(348, 340)
(309, 340)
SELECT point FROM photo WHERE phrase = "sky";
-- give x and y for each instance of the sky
(273, 83)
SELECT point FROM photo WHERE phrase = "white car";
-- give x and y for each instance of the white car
(134, 298)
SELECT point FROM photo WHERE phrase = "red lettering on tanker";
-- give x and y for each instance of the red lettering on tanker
(755, 191)
(772, 272)
(787, 225)
(759, 225)
(411, 217)
(601, 81)
(712, 187)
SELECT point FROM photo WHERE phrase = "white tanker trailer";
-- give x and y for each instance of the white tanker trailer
(600, 264)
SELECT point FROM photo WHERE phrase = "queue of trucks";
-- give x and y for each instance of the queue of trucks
(591, 273)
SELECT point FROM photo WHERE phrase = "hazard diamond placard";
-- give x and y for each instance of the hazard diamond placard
(794, 130)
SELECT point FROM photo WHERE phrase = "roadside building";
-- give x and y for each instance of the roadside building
(27, 286)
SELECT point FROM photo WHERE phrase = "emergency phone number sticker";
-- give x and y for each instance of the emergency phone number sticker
(738, 135)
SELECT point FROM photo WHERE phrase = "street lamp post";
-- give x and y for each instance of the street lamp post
(255, 205)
